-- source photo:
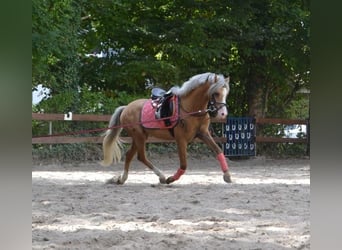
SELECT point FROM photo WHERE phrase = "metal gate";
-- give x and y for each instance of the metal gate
(240, 133)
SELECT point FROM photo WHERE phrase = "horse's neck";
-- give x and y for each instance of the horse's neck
(196, 100)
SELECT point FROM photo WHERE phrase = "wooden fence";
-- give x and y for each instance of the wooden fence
(105, 118)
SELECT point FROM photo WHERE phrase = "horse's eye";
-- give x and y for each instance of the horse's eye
(216, 94)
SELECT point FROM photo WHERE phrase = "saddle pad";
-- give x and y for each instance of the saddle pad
(148, 119)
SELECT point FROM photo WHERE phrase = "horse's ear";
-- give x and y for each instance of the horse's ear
(215, 79)
(227, 79)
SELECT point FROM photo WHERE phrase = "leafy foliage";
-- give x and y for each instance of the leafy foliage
(55, 42)
(96, 55)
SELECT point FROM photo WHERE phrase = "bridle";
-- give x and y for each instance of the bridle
(214, 106)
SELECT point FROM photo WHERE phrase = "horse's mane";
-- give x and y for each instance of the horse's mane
(217, 81)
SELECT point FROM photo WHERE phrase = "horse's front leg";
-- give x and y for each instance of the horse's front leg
(181, 145)
(208, 139)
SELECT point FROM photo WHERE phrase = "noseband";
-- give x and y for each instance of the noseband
(214, 106)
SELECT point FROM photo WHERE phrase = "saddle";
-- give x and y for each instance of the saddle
(161, 111)
(163, 104)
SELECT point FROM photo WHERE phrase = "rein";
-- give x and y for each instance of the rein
(200, 112)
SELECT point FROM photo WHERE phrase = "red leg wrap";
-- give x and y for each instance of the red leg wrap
(222, 159)
(178, 174)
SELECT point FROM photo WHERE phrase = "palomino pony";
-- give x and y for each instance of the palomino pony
(200, 97)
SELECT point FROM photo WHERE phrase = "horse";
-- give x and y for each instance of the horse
(201, 97)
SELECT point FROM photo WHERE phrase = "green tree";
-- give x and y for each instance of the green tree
(55, 57)
(262, 44)
(273, 53)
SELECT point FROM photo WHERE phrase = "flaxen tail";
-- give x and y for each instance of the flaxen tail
(111, 145)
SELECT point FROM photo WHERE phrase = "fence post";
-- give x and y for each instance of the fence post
(308, 136)
(50, 131)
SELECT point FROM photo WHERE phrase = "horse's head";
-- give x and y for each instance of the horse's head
(216, 89)
(218, 92)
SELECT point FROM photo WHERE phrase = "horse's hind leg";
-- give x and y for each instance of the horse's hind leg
(129, 156)
(143, 159)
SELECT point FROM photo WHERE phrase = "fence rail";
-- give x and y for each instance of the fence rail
(105, 118)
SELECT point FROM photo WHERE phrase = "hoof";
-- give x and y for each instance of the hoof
(114, 181)
(169, 180)
(227, 178)
(162, 180)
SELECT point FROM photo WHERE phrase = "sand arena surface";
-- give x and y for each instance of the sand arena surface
(266, 206)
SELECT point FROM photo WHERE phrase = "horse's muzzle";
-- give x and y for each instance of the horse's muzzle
(222, 113)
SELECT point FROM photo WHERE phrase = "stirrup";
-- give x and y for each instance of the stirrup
(157, 114)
